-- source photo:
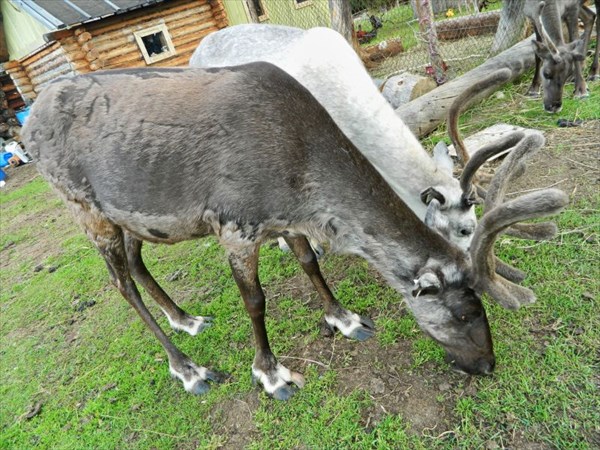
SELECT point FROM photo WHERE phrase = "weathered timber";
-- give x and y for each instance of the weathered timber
(461, 27)
(425, 113)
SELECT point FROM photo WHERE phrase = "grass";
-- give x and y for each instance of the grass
(71, 344)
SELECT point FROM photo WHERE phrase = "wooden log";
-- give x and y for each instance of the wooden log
(76, 56)
(385, 49)
(12, 64)
(84, 37)
(58, 54)
(424, 114)
(98, 64)
(32, 58)
(461, 27)
(89, 45)
(48, 65)
(402, 88)
(79, 31)
(92, 55)
(188, 37)
(80, 65)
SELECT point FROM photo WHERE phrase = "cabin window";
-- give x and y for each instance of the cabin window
(302, 3)
(155, 43)
(260, 10)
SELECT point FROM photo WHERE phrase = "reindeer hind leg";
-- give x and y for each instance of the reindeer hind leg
(109, 240)
(178, 318)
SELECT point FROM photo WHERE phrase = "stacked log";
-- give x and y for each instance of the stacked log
(461, 27)
(187, 23)
(19, 76)
(219, 13)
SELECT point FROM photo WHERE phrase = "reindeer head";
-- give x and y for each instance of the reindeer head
(446, 298)
(449, 310)
(449, 209)
(557, 64)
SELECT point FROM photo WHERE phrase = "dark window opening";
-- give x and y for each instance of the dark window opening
(258, 8)
(155, 43)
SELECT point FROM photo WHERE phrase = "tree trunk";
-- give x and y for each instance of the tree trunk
(424, 114)
(427, 26)
(511, 26)
(341, 18)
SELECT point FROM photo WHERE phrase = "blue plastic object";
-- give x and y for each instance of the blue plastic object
(4, 157)
(22, 115)
(2, 175)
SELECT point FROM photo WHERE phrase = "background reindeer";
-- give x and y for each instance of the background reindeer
(556, 59)
(248, 163)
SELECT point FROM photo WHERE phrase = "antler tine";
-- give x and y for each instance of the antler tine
(511, 167)
(482, 155)
(537, 22)
(498, 77)
(529, 206)
(534, 231)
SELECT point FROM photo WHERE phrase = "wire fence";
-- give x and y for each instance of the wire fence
(393, 39)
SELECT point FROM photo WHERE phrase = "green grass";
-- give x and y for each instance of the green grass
(69, 341)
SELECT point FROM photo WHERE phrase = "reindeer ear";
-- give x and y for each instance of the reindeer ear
(428, 283)
(432, 193)
(577, 49)
(442, 159)
(541, 49)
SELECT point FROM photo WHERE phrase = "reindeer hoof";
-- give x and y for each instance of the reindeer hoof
(352, 325)
(284, 392)
(193, 377)
(199, 388)
(533, 93)
(365, 331)
(279, 382)
(192, 325)
(585, 94)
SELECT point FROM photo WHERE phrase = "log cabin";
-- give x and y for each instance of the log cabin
(57, 37)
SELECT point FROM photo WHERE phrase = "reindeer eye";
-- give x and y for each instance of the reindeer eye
(466, 232)
(547, 75)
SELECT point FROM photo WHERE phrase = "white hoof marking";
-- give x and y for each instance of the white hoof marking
(189, 380)
(347, 324)
(193, 324)
(281, 377)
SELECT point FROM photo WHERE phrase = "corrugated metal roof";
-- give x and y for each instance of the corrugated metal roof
(56, 14)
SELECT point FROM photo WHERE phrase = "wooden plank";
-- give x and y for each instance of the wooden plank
(33, 58)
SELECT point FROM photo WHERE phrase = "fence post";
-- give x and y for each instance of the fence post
(427, 26)
(341, 18)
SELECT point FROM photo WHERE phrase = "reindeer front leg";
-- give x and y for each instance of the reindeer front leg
(350, 324)
(276, 379)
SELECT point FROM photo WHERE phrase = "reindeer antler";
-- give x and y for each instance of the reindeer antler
(500, 215)
(538, 231)
(462, 101)
(539, 26)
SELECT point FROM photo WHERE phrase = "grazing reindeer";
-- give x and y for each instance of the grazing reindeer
(556, 58)
(324, 63)
(249, 163)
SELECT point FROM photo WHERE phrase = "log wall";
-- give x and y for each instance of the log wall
(187, 21)
(110, 43)
(33, 71)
